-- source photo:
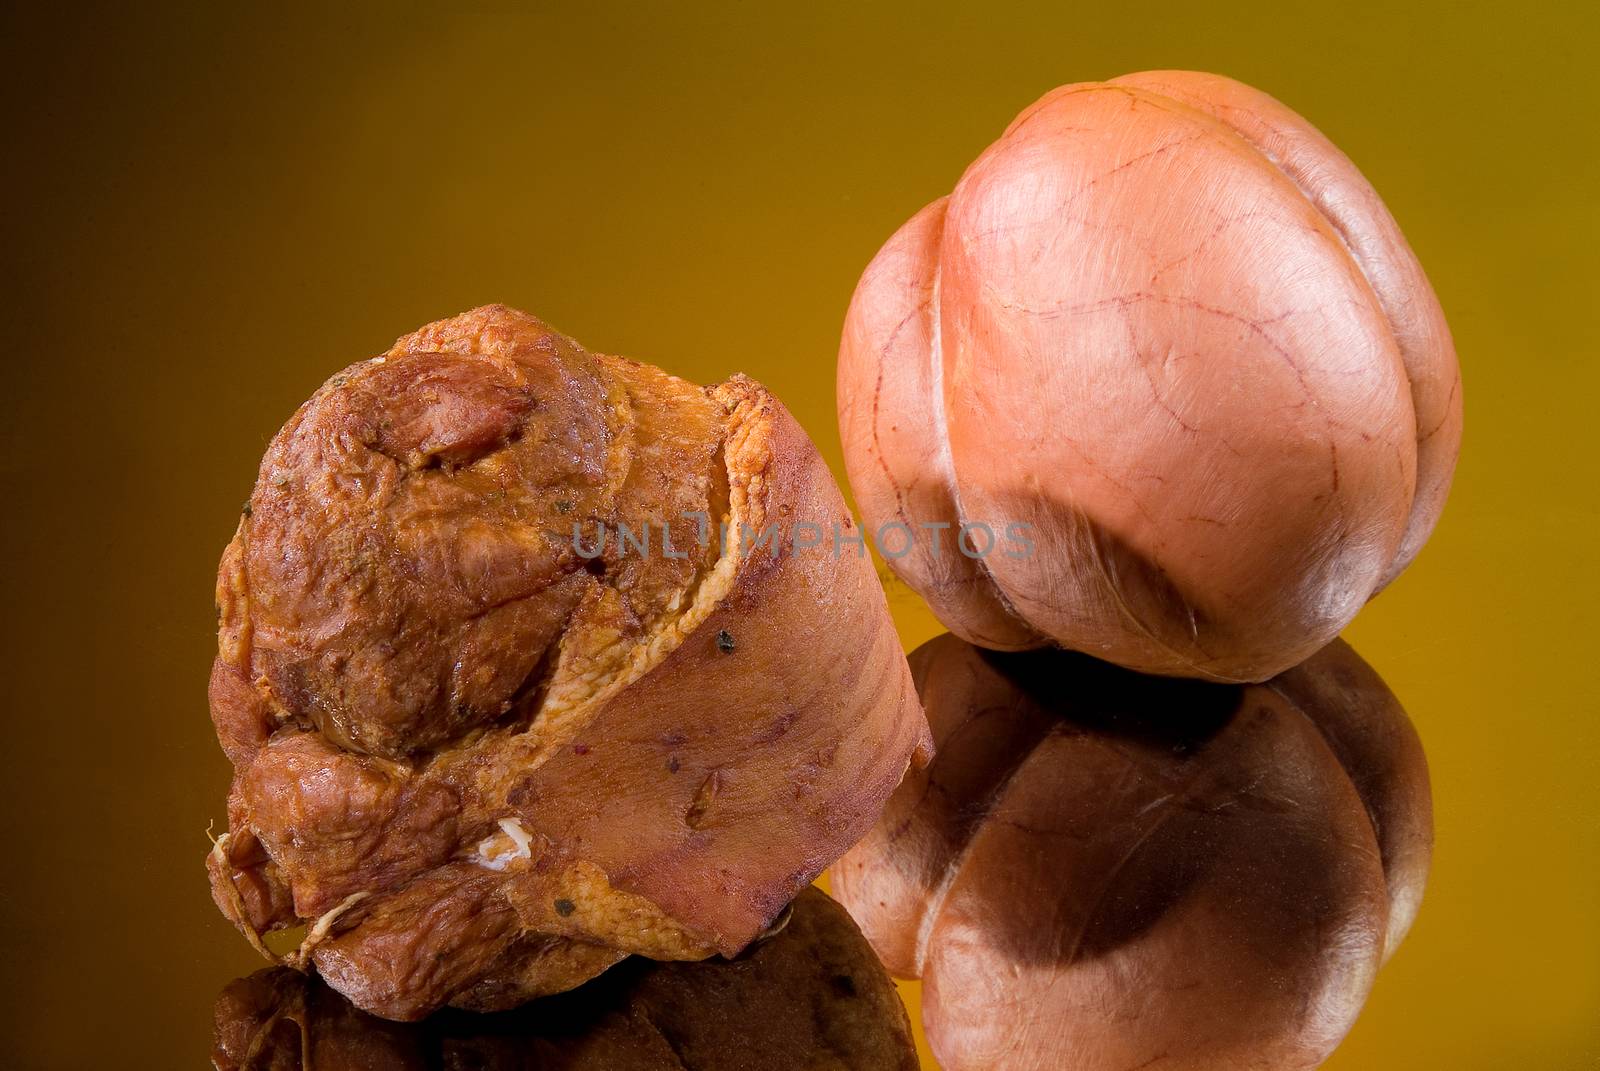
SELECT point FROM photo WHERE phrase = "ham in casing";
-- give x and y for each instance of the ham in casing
(1167, 328)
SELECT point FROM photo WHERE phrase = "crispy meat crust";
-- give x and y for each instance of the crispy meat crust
(480, 764)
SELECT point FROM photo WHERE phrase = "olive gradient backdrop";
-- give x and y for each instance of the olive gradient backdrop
(207, 213)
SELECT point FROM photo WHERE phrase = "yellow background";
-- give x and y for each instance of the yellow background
(205, 214)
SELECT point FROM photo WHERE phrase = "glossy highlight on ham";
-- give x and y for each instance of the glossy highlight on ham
(477, 766)
(1167, 325)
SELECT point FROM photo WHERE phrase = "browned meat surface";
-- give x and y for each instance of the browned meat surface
(479, 765)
